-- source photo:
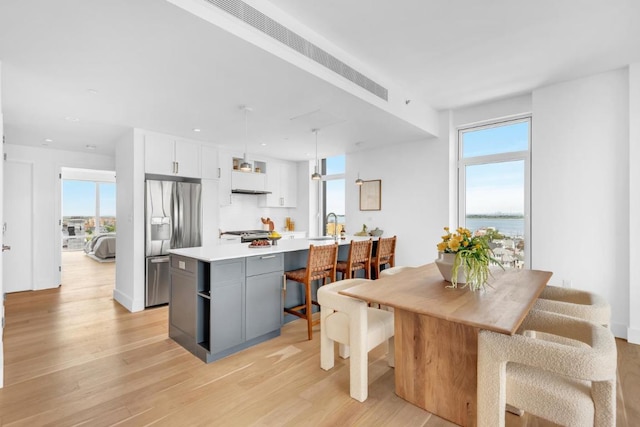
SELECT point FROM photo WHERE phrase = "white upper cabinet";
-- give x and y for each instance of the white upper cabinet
(210, 163)
(282, 183)
(167, 155)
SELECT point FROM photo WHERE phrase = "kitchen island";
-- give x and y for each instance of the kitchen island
(226, 298)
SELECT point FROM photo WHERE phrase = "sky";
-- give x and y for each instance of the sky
(495, 187)
(335, 188)
(79, 198)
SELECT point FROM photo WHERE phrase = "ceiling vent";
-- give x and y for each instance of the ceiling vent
(277, 31)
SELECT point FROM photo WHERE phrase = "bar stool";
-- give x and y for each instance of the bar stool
(321, 264)
(385, 254)
(359, 259)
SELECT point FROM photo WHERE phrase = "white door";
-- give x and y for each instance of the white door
(18, 226)
(1, 281)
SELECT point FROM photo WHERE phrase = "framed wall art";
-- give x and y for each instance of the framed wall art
(370, 195)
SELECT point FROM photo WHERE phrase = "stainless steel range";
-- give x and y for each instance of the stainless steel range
(248, 235)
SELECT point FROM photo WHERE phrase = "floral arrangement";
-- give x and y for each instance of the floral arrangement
(472, 253)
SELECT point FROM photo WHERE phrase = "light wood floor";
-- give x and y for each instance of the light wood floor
(73, 356)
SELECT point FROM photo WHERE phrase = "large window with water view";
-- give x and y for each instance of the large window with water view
(333, 170)
(494, 187)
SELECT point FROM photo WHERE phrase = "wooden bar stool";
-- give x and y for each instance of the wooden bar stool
(359, 259)
(321, 264)
(385, 254)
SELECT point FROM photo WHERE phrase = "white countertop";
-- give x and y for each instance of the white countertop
(242, 250)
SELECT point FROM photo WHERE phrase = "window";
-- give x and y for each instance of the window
(333, 190)
(494, 186)
(89, 208)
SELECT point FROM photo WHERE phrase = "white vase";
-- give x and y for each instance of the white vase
(445, 265)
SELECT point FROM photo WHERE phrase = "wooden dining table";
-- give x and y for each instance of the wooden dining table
(436, 331)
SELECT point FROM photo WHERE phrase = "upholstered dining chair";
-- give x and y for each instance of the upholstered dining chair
(358, 328)
(576, 303)
(385, 254)
(321, 265)
(359, 258)
(569, 381)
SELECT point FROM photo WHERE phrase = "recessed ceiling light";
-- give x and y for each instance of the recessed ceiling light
(92, 91)
(196, 129)
(90, 147)
(72, 119)
(264, 144)
(48, 140)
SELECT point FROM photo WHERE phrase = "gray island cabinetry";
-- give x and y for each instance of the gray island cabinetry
(225, 298)
(221, 307)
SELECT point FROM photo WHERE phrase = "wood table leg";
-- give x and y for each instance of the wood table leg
(436, 365)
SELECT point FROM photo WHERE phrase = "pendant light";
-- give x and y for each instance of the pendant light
(316, 176)
(359, 181)
(245, 166)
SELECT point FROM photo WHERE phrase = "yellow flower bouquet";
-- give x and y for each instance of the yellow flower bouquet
(472, 253)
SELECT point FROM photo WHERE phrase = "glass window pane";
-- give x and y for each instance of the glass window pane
(107, 207)
(495, 140)
(335, 203)
(495, 205)
(78, 205)
(334, 165)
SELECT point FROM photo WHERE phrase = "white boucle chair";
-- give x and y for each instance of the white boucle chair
(357, 327)
(570, 381)
(575, 303)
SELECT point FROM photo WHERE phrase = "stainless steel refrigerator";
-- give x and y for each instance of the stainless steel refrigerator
(173, 215)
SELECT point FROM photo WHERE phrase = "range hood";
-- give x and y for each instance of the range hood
(242, 191)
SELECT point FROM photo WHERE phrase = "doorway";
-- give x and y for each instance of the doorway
(88, 217)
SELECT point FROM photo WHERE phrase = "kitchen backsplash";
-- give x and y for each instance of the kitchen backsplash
(244, 214)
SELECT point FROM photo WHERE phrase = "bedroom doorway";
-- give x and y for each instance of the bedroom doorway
(88, 220)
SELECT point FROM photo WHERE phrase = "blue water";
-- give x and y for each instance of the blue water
(506, 226)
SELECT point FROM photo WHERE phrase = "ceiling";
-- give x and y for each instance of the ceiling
(83, 72)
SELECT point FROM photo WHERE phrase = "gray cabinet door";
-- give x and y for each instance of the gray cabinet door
(182, 309)
(227, 304)
(264, 304)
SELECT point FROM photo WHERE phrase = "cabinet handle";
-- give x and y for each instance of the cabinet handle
(177, 167)
(267, 256)
(219, 173)
(173, 167)
(281, 201)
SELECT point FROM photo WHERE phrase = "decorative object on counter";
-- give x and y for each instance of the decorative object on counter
(376, 232)
(289, 224)
(370, 195)
(245, 166)
(268, 224)
(363, 232)
(471, 252)
(259, 244)
(274, 237)
(316, 176)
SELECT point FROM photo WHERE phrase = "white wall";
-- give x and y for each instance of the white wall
(47, 164)
(634, 203)
(414, 194)
(580, 187)
(130, 267)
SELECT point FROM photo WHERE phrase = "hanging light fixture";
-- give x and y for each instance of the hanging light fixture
(245, 166)
(316, 176)
(359, 181)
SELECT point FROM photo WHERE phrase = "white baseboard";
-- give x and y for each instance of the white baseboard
(619, 330)
(127, 302)
(633, 336)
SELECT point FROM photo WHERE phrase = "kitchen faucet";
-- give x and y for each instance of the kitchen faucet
(335, 227)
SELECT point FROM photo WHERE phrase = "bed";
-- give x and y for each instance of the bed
(102, 246)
